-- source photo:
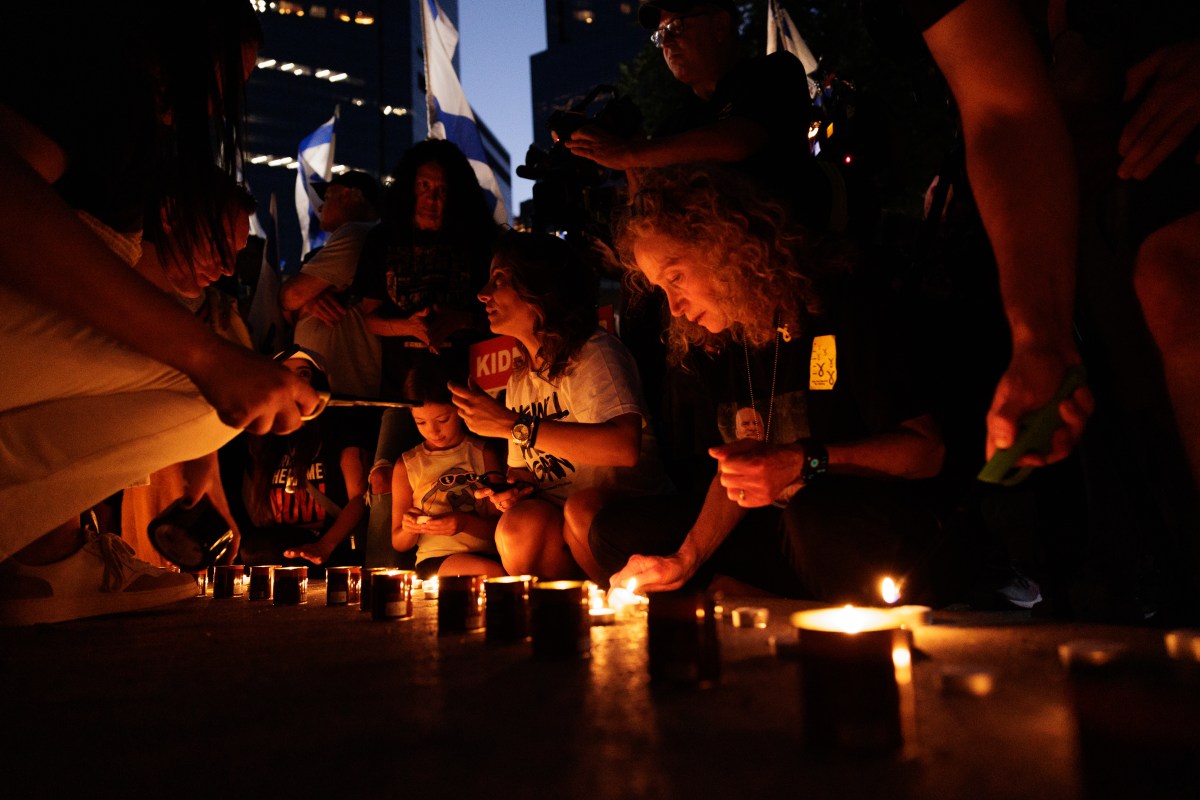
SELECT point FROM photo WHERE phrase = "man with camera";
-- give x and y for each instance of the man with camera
(753, 113)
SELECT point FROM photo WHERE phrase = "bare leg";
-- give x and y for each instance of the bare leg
(467, 564)
(530, 541)
(580, 510)
(1167, 277)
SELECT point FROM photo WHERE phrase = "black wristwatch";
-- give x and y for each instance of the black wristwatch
(816, 461)
(523, 430)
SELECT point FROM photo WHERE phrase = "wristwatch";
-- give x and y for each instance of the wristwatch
(523, 430)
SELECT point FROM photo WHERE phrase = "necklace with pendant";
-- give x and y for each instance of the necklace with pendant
(781, 332)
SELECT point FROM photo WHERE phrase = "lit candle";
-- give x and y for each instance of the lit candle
(625, 602)
(602, 616)
(855, 679)
(889, 590)
(430, 588)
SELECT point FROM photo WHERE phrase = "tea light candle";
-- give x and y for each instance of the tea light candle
(625, 602)
(855, 679)
(602, 616)
(430, 588)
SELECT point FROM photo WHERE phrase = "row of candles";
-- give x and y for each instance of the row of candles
(856, 676)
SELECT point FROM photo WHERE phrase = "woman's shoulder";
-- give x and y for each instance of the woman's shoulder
(602, 345)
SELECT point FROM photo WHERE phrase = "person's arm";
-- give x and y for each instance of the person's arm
(613, 443)
(48, 254)
(301, 289)
(1022, 171)
(718, 517)
(352, 463)
(913, 449)
(726, 140)
(405, 528)
(381, 324)
(1168, 81)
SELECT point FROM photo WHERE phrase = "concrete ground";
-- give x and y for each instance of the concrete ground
(235, 698)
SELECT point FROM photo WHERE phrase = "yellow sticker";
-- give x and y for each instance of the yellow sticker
(822, 366)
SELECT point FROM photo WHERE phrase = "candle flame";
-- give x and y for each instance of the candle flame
(890, 590)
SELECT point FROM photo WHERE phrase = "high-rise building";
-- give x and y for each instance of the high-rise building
(362, 57)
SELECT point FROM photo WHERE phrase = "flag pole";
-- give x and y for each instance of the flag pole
(429, 106)
(337, 113)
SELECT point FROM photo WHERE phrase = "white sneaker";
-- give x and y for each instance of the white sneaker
(102, 577)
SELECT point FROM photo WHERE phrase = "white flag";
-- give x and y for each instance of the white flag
(782, 34)
(315, 169)
(450, 115)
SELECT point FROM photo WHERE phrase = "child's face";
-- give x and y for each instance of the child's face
(439, 425)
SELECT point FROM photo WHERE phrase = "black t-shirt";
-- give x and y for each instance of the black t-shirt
(773, 92)
(299, 508)
(416, 271)
(849, 374)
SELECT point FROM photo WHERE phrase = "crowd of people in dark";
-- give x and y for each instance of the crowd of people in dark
(775, 411)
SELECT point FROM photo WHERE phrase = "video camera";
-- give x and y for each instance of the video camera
(572, 193)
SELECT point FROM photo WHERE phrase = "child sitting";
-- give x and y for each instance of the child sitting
(433, 488)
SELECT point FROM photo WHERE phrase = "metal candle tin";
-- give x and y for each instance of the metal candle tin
(342, 585)
(291, 586)
(506, 611)
(460, 603)
(391, 595)
(559, 620)
(682, 639)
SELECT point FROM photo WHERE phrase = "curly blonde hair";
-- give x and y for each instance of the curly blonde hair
(759, 260)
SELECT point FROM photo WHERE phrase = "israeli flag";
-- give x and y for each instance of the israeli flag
(782, 34)
(315, 169)
(450, 115)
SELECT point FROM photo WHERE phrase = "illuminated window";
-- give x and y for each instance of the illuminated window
(585, 15)
(318, 12)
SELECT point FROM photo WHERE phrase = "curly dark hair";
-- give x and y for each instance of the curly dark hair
(467, 217)
(760, 261)
(558, 279)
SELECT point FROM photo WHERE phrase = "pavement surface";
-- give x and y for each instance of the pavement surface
(242, 698)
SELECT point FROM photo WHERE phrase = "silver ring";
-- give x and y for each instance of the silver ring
(741, 495)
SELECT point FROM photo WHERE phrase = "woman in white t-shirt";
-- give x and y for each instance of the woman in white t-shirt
(575, 419)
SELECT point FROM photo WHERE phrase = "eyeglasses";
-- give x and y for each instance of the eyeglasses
(457, 480)
(674, 28)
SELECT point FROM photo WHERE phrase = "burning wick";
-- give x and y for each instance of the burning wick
(889, 590)
(622, 599)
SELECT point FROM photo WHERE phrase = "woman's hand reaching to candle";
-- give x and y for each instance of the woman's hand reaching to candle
(656, 573)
